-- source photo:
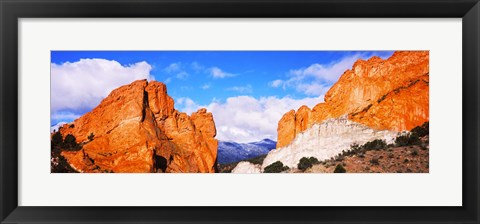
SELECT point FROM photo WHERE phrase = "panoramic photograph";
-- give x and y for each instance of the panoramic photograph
(243, 112)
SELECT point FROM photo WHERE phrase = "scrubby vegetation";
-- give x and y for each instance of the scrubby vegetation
(70, 143)
(306, 163)
(409, 153)
(407, 139)
(276, 167)
(340, 169)
(414, 136)
(376, 144)
(58, 163)
(355, 149)
(90, 137)
(422, 130)
(227, 168)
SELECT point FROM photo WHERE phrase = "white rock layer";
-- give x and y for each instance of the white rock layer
(326, 140)
(247, 167)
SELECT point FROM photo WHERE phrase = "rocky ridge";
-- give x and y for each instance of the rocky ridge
(137, 129)
(391, 94)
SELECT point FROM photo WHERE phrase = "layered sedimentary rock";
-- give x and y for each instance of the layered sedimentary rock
(325, 140)
(137, 129)
(391, 94)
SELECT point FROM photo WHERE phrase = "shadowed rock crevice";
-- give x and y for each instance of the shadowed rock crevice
(161, 163)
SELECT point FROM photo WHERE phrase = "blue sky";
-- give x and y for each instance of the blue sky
(261, 84)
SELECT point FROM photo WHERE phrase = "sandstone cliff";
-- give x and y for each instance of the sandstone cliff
(391, 94)
(137, 129)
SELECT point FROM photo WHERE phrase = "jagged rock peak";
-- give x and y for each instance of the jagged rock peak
(137, 129)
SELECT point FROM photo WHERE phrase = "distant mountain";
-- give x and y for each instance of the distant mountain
(230, 152)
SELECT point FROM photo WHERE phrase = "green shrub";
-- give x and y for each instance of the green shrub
(415, 153)
(57, 139)
(70, 143)
(421, 131)
(257, 160)
(407, 139)
(58, 164)
(340, 169)
(306, 163)
(91, 136)
(275, 167)
(376, 144)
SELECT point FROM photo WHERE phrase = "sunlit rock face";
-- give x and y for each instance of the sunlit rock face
(325, 140)
(246, 167)
(391, 94)
(137, 129)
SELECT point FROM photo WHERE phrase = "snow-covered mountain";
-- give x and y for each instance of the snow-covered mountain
(229, 152)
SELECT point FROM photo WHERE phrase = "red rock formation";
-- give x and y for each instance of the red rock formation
(388, 94)
(137, 129)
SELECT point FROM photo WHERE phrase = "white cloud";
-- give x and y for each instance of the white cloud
(174, 67)
(64, 116)
(55, 127)
(316, 79)
(276, 83)
(186, 105)
(248, 119)
(327, 73)
(197, 67)
(177, 70)
(83, 84)
(219, 74)
(241, 89)
(313, 89)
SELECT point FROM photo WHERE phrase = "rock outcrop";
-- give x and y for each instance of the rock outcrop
(391, 94)
(326, 140)
(137, 129)
(246, 167)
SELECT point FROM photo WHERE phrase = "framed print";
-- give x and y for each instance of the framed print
(239, 111)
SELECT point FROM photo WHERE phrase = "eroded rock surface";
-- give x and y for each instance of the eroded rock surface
(391, 94)
(137, 129)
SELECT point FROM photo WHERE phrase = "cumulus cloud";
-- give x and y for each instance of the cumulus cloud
(316, 79)
(83, 84)
(247, 119)
(177, 70)
(217, 73)
(197, 67)
(241, 89)
(328, 73)
(276, 83)
(186, 105)
(313, 89)
(173, 67)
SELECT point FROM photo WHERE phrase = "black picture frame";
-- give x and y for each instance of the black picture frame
(12, 10)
